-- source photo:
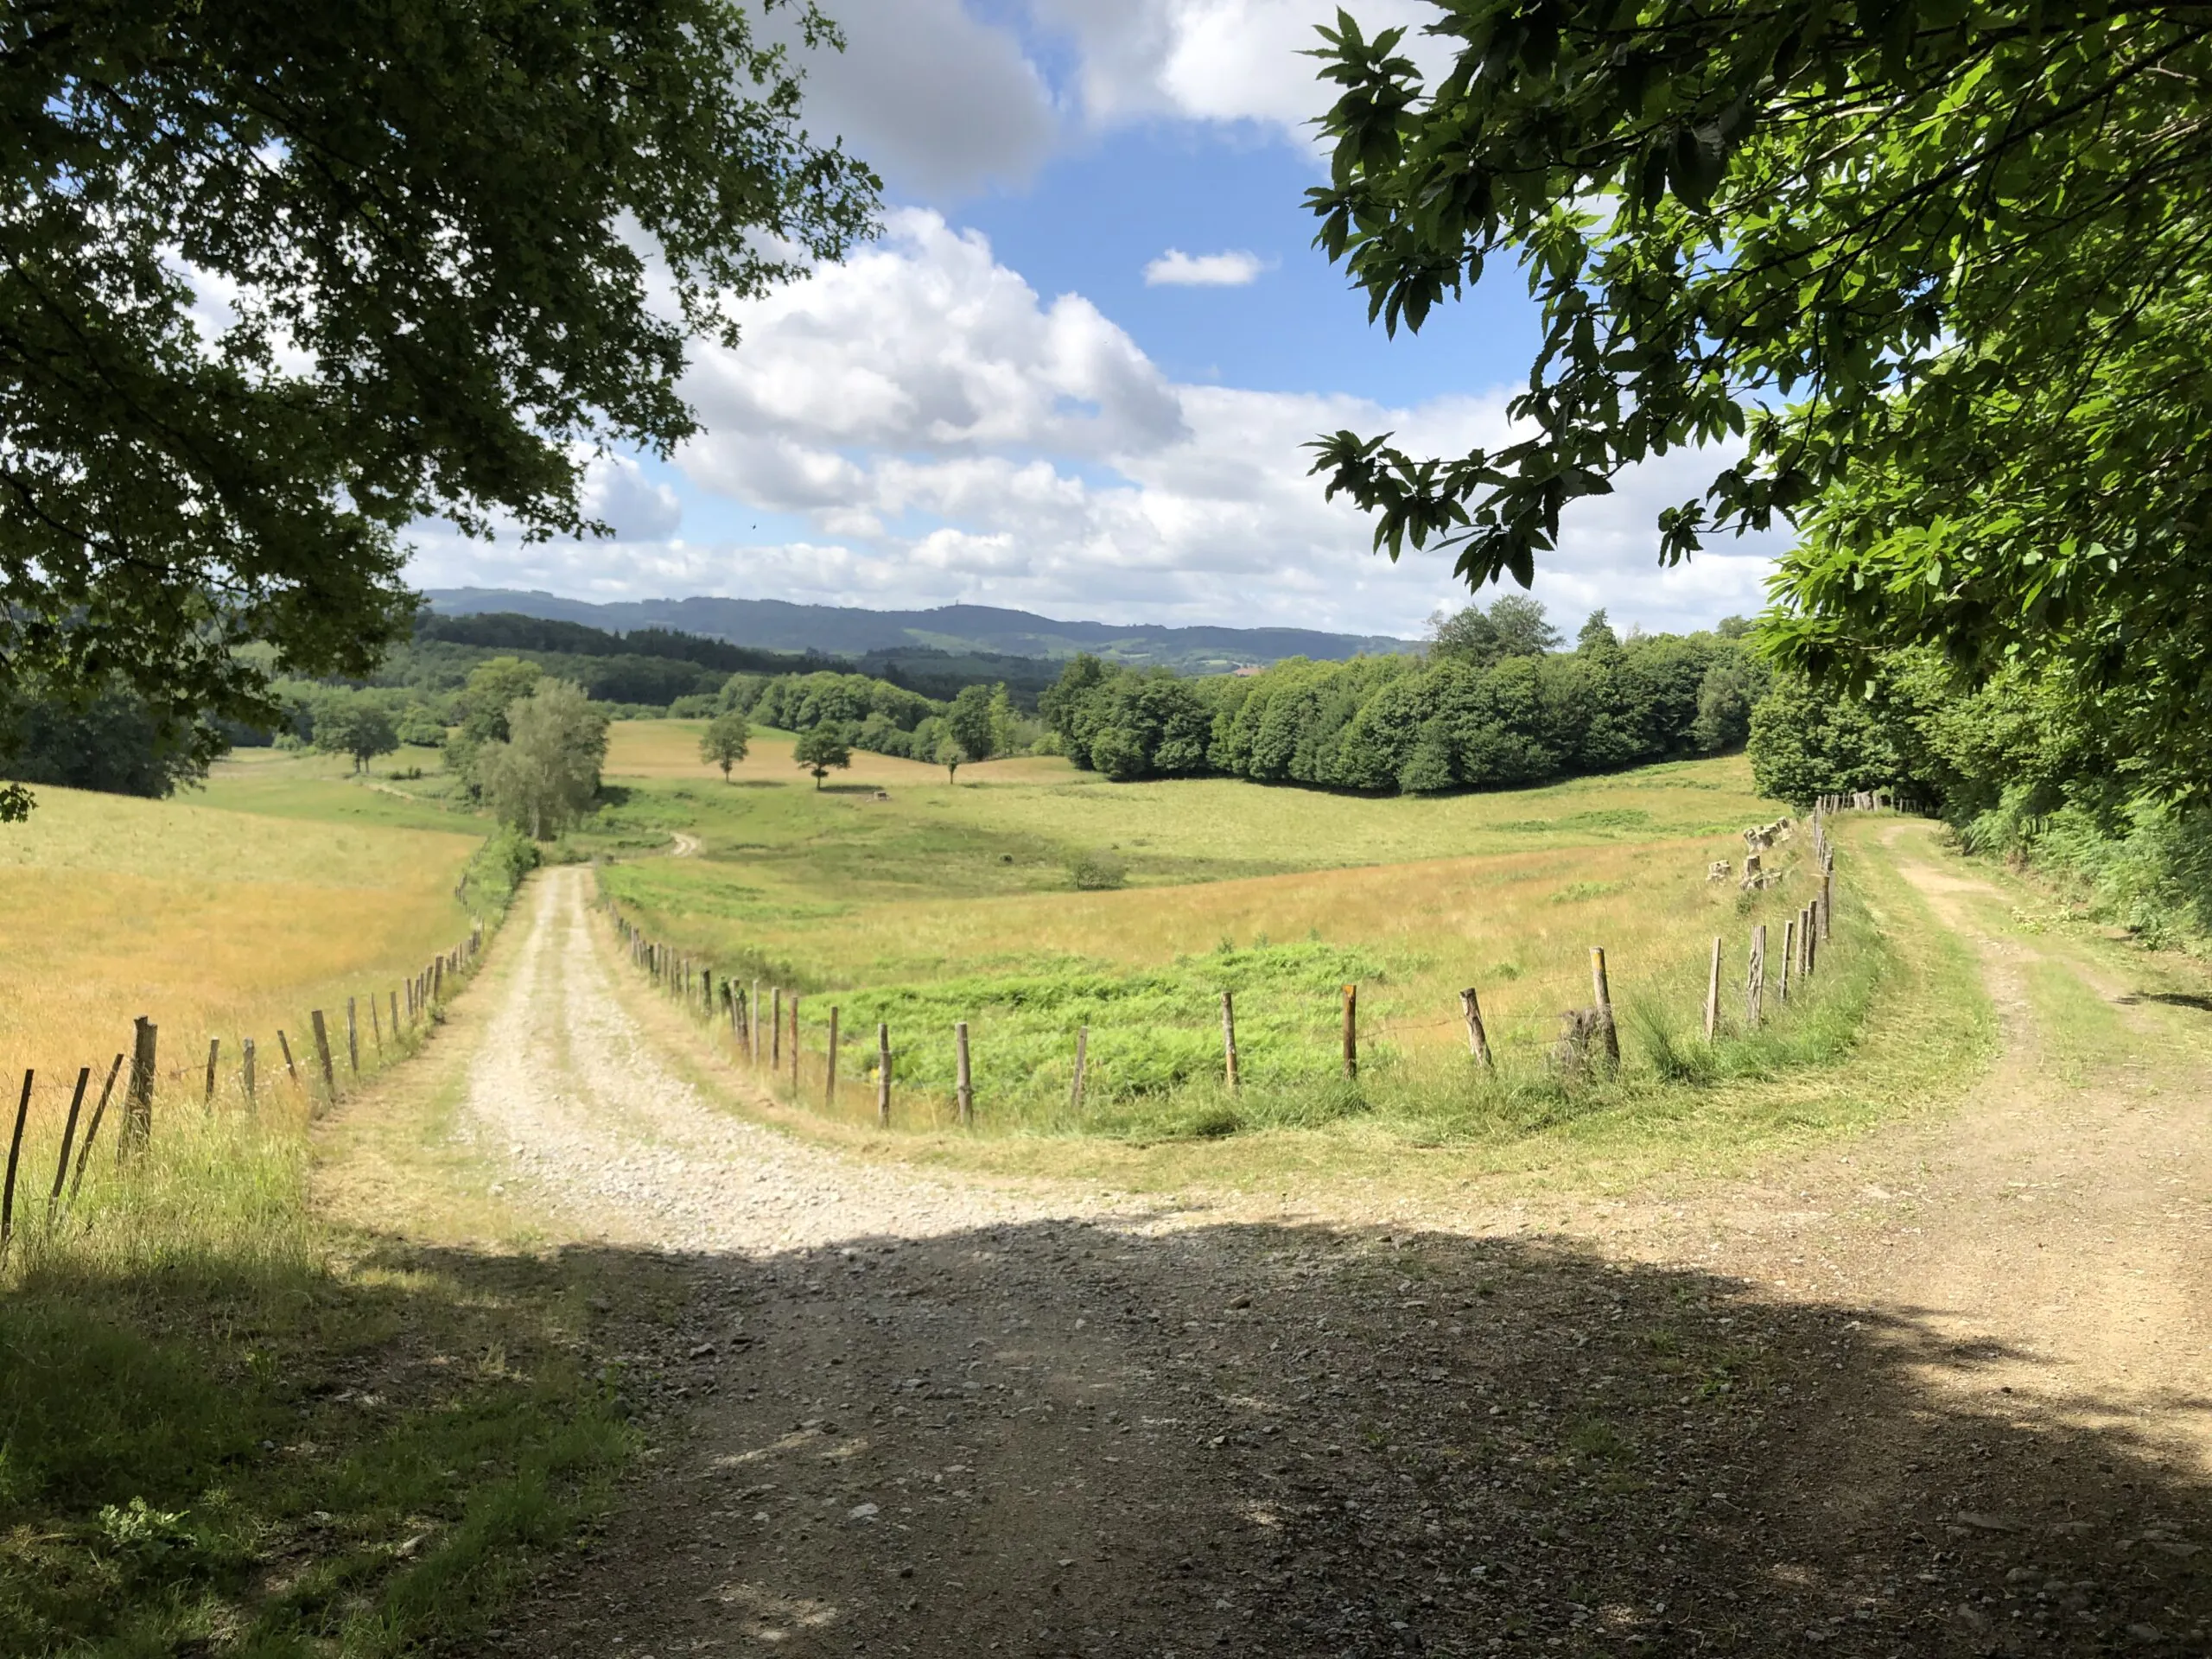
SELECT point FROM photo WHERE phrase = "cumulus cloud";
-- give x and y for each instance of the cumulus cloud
(938, 102)
(944, 433)
(1215, 59)
(1176, 269)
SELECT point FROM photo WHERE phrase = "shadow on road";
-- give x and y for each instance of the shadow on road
(1087, 1439)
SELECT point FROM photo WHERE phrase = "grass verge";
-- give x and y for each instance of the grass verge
(231, 1422)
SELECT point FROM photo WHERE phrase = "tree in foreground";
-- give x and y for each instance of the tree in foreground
(725, 740)
(349, 723)
(1932, 273)
(545, 775)
(280, 281)
(826, 746)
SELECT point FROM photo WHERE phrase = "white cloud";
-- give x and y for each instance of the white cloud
(936, 101)
(1176, 269)
(946, 434)
(617, 494)
(1216, 60)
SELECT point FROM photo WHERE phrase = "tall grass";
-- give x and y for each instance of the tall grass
(212, 1435)
(1514, 927)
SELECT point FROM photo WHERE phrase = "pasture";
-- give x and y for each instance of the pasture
(902, 898)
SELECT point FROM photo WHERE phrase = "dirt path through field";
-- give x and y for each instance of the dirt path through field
(1940, 1390)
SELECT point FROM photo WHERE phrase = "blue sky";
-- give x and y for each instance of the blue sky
(1019, 396)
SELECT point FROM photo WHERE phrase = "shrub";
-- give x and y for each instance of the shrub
(489, 883)
(1097, 872)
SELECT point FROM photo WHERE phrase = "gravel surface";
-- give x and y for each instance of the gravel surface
(1877, 1405)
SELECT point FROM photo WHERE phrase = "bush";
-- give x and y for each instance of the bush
(489, 879)
(1097, 872)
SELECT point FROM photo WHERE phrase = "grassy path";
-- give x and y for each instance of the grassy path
(1932, 1387)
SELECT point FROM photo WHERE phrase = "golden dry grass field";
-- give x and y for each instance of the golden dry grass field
(212, 923)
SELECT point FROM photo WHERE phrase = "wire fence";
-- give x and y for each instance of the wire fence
(375, 1033)
(761, 1023)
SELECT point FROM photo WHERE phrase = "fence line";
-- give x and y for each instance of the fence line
(1588, 1041)
(426, 996)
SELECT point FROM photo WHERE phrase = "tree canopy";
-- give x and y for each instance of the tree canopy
(544, 774)
(281, 280)
(1932, 270)
(822, 747)
(728, 737)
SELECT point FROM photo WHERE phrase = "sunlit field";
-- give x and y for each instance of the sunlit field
(923, 903)
(213, 924)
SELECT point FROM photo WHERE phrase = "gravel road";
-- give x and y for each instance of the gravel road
(907, 1414)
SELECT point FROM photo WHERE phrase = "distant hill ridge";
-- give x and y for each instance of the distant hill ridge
(847, 631)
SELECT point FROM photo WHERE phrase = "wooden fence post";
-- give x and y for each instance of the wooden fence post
(1828, 900)
(1352, 1032)
(14, 1151)
(68, 1135)
(1815, 920)
(322, 1052)
(290, 1069)
(1471, 1008)
(964, 1083)
(245, 1072)
(93, 1128)
(776, 1034)
(882, 1075)
(794, 1045)
(376, 1025)
(1789, 950)
(1228, 1039)
(437, 980)
(830, 1078)
(352, 1038)
(1755, 977)
(1603, 989)
(1712, 993)
(1082, 1050)
(207, 1100)
(138, 1094)
(752, 1025)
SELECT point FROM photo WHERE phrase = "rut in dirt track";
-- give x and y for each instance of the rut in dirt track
(927, 1416)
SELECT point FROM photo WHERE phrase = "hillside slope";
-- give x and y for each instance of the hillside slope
(776, 625)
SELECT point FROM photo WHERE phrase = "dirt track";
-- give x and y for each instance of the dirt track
(1938, 1391)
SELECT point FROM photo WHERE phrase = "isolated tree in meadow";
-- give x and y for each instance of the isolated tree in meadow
(282, 281)
(970, 722)
(1927, 276)
(822, 747)
(348, 723)
(545, 775)
(951, 754)
(725, 740)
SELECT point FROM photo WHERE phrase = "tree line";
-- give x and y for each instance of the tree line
(1494, 701)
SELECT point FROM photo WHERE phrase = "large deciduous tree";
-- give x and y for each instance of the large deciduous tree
(1934, 271)
(544, 775)
(276, 279)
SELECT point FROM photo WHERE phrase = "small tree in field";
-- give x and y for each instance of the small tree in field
(348, 723)
(546, 774)
(826, 746)
(724, 742)
(951, 754)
